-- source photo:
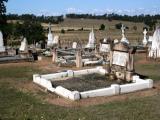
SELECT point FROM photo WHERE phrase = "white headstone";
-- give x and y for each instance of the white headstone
(145, 37)
(105, 40)
(91, 43)
(150, 39)
(24, 46)
(56, 39)
(120, 58)
(2, 48)
(155, 48)
(105, 48)
(50, 37)
(116, 41)
(74, 45)
(124, 39)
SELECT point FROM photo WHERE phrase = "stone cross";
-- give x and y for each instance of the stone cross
(145, 37)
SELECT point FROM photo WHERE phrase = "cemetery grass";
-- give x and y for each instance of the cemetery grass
(20, 99)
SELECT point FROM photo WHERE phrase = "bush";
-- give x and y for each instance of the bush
(135, 28)
(63, 31)
(118, 26)
(102, 27)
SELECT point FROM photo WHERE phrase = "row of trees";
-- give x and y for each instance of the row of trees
(113, 16)
(32, 30)
(149, 20)
(32, 17)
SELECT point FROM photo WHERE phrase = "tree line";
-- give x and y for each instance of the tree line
(149, 20)
(32, 17)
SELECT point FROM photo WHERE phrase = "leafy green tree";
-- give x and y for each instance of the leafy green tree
(33, 31)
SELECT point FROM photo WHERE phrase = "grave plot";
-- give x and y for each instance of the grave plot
(86, 82)
(76, 85)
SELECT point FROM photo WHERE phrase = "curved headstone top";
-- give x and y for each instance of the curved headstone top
(121, 47)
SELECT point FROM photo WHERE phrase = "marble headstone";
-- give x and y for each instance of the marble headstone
(155, 47)
(91, 43)
(145, 37)
(24, 46)
(124, 39)
(50, 37)
(150, 39)
(2, 48)
(74, 45)
(116, 41)
(105, 48)
(56, 39)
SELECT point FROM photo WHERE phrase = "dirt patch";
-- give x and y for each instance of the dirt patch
(86, 82)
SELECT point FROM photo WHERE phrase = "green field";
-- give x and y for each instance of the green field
(19, 101)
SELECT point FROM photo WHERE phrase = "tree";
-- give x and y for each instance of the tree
(2, 7)
(3, 19)
(63, 31)
(102, 27)
(118, 26)
(33, 31)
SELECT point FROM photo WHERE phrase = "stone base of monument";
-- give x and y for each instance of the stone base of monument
(48, 82)
(24, 55)
(2, 54)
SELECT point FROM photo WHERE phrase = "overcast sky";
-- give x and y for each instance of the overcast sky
(57, 7)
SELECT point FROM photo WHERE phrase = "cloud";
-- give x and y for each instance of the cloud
(73, 10)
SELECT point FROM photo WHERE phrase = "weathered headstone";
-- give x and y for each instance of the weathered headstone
(122, 61)
(79, 63)
(54, 57)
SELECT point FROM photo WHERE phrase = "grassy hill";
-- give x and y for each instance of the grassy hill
(73, 33)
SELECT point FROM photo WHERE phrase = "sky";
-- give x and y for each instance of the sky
(59, 7)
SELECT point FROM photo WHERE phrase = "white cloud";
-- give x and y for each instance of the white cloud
(73, 10)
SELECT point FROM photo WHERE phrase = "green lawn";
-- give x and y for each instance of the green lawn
(20, 105)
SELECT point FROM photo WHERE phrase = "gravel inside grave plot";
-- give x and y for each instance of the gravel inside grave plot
(85, 83)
